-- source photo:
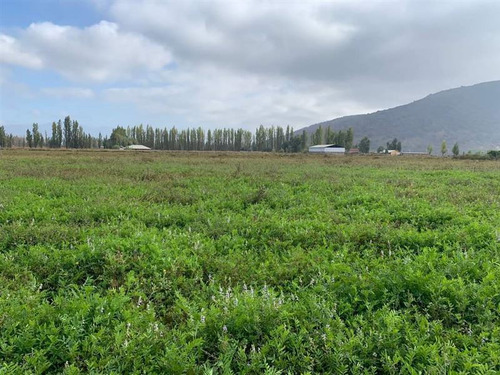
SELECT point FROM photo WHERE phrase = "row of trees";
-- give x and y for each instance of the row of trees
(444, 149)
(5, 139)
(342, 138)
(69, 133)
(392, 145)
(396, 145)
(8, 140)
(264, 139)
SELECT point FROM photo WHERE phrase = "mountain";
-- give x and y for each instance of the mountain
(468, 115)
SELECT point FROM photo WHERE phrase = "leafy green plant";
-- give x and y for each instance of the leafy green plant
(188, 263)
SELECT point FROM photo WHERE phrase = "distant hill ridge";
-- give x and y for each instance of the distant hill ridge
(468, 115)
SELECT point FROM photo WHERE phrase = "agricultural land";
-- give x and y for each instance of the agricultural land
(190, 263)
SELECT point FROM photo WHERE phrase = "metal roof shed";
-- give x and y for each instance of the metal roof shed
(327, 149)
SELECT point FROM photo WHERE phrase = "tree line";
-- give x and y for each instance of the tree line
(274, 138)
(6, 140)
(343, 138)
(69, 133)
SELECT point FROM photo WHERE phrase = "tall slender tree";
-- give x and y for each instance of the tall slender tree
(67, 132)
(59, 134)
(36, 136)
(303, 140)
(349, 137)
(444, 148)
(3, 137)
(29, 138)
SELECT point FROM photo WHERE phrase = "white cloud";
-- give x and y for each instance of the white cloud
(246, 62)
(405, 48)
(11, 52)
(255, 36)
(215, 97)
(68, 92)
(98, 53)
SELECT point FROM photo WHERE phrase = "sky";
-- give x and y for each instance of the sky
(235, 63)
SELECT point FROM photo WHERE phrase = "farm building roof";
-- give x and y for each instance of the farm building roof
(138, 147)
(326, 146)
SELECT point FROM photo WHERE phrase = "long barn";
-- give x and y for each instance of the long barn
(327, 149)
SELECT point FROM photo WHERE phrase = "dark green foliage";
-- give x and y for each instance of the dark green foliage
(343, 138)
(3, 137)
(364, 145)
(37, 137)
(272, 139)
(119, 138)
(7, 140)
(187, 263)
(293, 145)
(68, 135)
(394, 145)
(317, 137)
(494, 154)
(29, 138)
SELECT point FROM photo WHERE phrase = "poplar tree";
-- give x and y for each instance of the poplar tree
(36, 136)
(444, 148)
(303, 140)
(74, 135)
(3, 137)
(67, 132)
(349, 139)
(318, 136)
(59, 134)
(29, 138)
(53, 138)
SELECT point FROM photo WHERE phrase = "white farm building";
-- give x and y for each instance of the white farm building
(327, 149)
(138, 147)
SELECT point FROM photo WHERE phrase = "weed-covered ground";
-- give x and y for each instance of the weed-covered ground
(123, 262)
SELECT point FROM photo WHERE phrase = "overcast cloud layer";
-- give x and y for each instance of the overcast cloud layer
(245, 63)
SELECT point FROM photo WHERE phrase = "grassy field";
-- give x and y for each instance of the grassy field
(122, 262)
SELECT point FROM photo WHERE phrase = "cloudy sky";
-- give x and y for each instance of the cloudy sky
(234, 63)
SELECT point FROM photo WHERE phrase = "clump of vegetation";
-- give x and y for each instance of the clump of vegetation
(175, 263)
(494, 154)
(490, 155)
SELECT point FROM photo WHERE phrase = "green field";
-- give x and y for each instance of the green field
(123, 262)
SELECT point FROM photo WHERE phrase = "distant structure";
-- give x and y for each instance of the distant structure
(390, 152)
(353, 151)
(137, 147)
(393, 152)
(414, 153)
(327, 149)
